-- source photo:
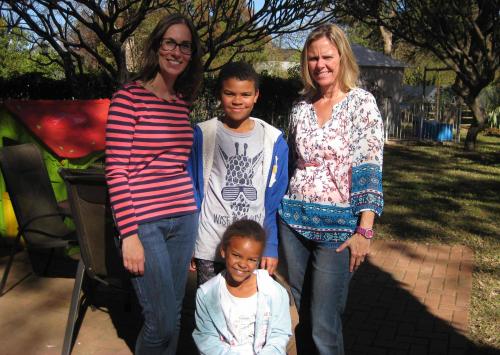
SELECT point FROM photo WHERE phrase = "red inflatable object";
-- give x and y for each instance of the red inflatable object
(71, 129)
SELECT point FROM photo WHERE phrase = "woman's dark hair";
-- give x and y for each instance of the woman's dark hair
(244, 228)
(188, 83)
(238, 70)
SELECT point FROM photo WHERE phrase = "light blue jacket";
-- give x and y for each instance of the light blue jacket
(272, 325)
(275, 160)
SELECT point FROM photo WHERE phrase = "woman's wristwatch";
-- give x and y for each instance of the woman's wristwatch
(365, 232)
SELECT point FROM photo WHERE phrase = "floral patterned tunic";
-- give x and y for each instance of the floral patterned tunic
(338, 168)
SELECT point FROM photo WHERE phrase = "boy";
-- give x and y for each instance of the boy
(240, 170)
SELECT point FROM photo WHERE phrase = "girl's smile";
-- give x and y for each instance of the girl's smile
(242, 257)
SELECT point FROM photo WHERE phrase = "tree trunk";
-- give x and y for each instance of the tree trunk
(471, 138)
(70, 74)
(387, 37)
(478, 125)
(121, 63)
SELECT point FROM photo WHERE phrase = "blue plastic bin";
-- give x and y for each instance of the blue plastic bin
(437, 131)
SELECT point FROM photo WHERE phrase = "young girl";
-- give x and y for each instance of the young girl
(242, 310)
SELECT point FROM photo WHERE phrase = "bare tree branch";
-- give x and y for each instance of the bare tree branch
(99, 30)
(239, 25)
(463, 34)
(72, 26)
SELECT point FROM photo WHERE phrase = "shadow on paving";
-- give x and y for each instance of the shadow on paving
(43, 263)
(382, 318)
(125, 313)
(123, 310)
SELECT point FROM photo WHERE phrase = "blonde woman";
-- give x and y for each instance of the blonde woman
(335, 191)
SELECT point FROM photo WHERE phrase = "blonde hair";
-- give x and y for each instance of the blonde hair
(348, 69)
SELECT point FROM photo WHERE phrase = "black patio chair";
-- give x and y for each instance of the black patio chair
(41, 222)
(100, 263)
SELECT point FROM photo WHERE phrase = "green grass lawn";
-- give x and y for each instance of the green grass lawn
(442, 194)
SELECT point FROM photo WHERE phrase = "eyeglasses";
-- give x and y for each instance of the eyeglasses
(231, 193)
(168, 44)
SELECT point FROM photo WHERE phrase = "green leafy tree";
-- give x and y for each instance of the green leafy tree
(19, 56)
(490, 100)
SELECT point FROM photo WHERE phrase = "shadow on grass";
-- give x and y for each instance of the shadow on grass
(439, 198)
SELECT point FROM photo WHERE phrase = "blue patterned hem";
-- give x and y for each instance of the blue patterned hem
(368, 200)
(366, 189)
(319, 222)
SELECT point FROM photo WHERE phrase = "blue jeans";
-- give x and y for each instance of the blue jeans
(168, 247)
(319, 280)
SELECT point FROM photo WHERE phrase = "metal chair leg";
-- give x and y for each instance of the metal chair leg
(9, 263)
(73, 309)
(49, 261)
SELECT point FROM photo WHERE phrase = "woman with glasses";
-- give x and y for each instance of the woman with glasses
(148, 143)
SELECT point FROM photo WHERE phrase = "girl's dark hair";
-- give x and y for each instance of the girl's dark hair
(244, 228)
(188, 83)
(238, 70)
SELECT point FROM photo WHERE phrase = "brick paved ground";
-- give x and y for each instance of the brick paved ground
(411, 299)
(407, 299)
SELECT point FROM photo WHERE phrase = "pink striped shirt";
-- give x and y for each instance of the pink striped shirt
(148, 142)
